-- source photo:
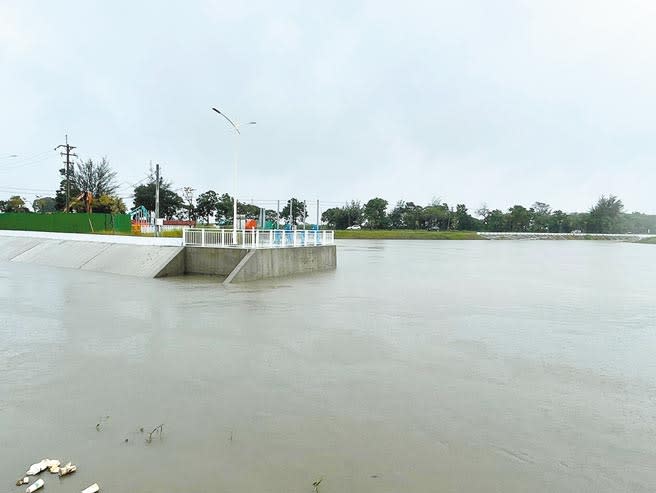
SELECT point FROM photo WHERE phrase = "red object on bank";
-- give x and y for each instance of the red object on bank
(251, 224)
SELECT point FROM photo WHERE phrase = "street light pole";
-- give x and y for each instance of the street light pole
(236, 126)
(156, 199)
(234, 186)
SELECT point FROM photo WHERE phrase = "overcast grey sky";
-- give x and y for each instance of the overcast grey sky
(471, 101)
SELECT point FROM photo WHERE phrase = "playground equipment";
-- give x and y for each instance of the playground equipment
(85, 198)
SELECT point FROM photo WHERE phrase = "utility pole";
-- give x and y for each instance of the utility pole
(68, 155)
(318, 214)
(156, 199)
(348, 213)
(278, 215)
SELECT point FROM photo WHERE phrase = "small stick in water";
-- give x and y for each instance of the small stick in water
(158, 429)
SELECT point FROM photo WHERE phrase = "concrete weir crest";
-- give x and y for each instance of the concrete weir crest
(160, 257)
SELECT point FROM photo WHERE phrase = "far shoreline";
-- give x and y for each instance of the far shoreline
(406, 234)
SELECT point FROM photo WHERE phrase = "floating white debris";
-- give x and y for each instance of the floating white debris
(67, 469)
(35, 486)
(25, 480)
(42, 466)
(94, 488)
(38, 467)
(53, 465)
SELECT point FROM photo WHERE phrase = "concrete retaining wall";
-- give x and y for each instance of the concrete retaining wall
(279, 262)
(212, 261)
(241, 264)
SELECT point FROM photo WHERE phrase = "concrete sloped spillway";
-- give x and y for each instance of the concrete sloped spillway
(139, 257)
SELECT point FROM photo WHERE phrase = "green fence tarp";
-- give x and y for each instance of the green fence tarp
(60, 222)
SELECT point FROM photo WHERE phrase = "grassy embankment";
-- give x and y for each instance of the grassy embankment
(404, 234)
(651, 241)
(177, 233)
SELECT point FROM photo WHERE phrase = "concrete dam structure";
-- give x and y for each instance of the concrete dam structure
(160, 257)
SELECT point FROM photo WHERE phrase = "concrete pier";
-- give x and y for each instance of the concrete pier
(243, 264)
(160, 257)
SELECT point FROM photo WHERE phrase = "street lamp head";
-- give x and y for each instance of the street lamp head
(229, 120)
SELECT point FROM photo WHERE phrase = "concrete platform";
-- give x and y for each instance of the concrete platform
(152, 257)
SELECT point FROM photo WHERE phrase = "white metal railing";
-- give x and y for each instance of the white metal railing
(256, 238)
(150, 228)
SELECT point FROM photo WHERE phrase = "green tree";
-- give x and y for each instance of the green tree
(436, 216)
(15, 204)
(495, 221)
(606, 215)
(462, 220)
(44, 204)
(169, 201)
(354, 212)
(295, 209)
(559, 222)
(250, 211)
(343, 217)
(375, 213)
(579, 221)
(541, 217)
(188, 209)
(97, 178)
(224, 209)
(60, 194)
(396, 218)
(207, 204)
(110, 204)
(519, 218)
(637, 222)
(413, 215)
(335, 218)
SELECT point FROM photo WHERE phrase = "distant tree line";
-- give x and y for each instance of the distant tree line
(606, 216)
(97, 177)
(210, 204)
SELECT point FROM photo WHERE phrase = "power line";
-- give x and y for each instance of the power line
(21, 189)
(24, 165)
(17, 158)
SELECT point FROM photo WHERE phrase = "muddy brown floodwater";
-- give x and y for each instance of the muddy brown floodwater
(415, 366)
